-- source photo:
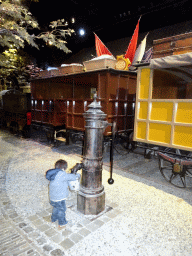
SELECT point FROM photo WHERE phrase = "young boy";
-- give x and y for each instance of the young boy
(58, 190)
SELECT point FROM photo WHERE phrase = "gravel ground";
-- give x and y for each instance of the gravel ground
(152, 220)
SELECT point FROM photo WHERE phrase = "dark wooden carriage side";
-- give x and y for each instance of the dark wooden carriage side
(60, 101)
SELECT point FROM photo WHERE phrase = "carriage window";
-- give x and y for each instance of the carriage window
(84, 92)
(173, 83)
(93, 91)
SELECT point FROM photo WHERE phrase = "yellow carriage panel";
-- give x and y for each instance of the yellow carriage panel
(143, 108)
(164, 102)
(159, 133)
(184, 112)
(183, 136)
(144, 83)
(162, 111)
(164, 107)
(141, 130)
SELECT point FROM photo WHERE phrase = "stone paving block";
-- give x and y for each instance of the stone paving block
(21, 250)
(4, 214)
(30, 251)
(22, 225)
(10, 212)
(66, 244)
(2, 219)
(47, 218)
(34, 235)
(104, 219)
(5, 199)
(9, 242)
(33, 217)
(5, 225)
(43, 227)
(79, 225)
(75, 227)
(34, 253)
(18, 219)
(76, 237)
(4, 203)
(84, 232)
(28, 229)
(38, 222)
(57, 252)
(57, 238)
(4, 196)
(98, 223)
(66, 232)
(85, 222)
(49, 210)
(13, 215)
(9, 238)
(12, 246)
(112, 214)
(50, 232)
(92, 227)
(5, 233)
(43, 213)
(47, 247)
(41, 240)
(5, 230)
(8, 207)
(113, 205)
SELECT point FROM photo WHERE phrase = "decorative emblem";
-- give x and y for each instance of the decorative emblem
(122, 63)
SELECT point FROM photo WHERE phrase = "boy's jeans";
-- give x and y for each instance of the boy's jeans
(58, 212)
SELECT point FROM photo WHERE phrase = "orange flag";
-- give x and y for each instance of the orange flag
(130, 53)
(100, 47)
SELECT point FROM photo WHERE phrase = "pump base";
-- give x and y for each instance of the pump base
(90, 204)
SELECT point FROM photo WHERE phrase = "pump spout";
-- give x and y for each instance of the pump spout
(76, 168)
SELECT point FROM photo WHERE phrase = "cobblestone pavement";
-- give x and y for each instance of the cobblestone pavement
(25, 226)
(23, 233)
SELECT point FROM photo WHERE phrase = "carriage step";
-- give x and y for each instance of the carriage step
(175, 160)
(60, 139)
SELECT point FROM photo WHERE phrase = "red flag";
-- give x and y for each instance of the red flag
(130, 53)
(100, 47)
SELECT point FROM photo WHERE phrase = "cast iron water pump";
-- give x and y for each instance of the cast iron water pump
(91, 195)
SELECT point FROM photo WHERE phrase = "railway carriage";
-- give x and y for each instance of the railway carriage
(15, 111)
(163, 116)
(59, 101)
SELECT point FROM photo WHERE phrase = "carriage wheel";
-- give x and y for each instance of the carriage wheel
(178, 175)
(26, 132)
(14, 128)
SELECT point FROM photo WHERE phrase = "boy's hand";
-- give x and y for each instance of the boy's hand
(76, 168)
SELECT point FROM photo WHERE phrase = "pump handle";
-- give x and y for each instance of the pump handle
(111, 180)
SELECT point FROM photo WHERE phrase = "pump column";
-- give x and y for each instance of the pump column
(91, 195)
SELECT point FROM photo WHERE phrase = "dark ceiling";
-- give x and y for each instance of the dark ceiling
(110, 20)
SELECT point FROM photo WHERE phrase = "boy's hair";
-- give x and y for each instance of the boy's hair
(61, 164)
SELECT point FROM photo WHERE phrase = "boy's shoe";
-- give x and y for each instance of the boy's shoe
(61, 227)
